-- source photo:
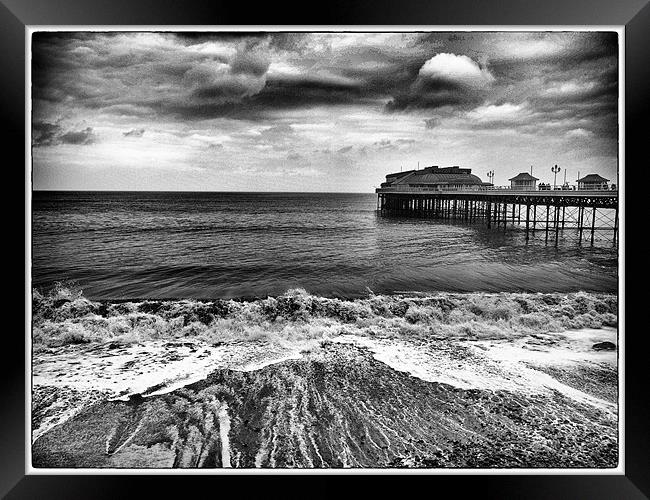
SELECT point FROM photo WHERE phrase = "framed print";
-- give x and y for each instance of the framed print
(386, 242)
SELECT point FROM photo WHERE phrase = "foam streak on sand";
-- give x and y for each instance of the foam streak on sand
(52, 407)
(224, 428)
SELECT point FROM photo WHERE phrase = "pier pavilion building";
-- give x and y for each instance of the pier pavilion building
(593, 182)
(435, 178)
(523, 182)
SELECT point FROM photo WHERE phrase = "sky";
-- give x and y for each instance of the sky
(328, 112)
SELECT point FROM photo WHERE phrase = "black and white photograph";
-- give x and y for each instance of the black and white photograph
(353, 248)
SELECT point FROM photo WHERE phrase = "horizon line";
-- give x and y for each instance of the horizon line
(188, 191)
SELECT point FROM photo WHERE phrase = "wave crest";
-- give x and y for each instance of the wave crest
(64, 316)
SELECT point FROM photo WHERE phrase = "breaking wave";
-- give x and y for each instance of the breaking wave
(64, 316)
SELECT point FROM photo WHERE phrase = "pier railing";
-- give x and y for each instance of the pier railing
(496, 190)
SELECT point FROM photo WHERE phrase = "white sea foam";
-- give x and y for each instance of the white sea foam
(149, 368)
(497, 365)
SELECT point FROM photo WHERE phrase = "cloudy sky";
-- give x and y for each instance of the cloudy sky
(317, 111)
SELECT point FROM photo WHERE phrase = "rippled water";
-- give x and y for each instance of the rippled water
(228, 245)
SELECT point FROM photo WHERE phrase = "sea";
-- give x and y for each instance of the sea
(211, 245)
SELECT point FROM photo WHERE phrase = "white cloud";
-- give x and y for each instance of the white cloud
(579, 133)
(532, 46)
(506, 112)
(570, 88)
(456, 68)
(284, 68)
(346, 41)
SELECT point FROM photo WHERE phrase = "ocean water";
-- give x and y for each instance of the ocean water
(134, 245)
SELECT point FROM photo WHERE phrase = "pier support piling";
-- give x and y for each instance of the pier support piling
(527, 220)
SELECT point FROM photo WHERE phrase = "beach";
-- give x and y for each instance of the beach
(445, 380)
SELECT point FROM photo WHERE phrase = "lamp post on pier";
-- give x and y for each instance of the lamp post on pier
(555, 170)
(490, 175)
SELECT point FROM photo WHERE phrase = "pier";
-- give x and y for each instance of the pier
(587, 211)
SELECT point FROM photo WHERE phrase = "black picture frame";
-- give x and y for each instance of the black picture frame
(16, 15)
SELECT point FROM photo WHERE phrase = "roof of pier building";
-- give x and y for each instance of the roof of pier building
(593, 178)
(523, 176)
(434, 176)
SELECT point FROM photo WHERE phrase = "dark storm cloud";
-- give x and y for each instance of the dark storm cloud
(139, 132)
(235, 100)
(584, 58)
(181, 76)
(277, 132)
(363, 75)
(591, 99)
(384, 144)
(388, 144)
(222, 91)
(100, 71)
(51, 134)
(44, 133)
(85, 136)
(196, 76)
(433, 98)
(250, 63)
(430, 123)
(386, 79)
(198, 37)
(293, 42)
(293, 92)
